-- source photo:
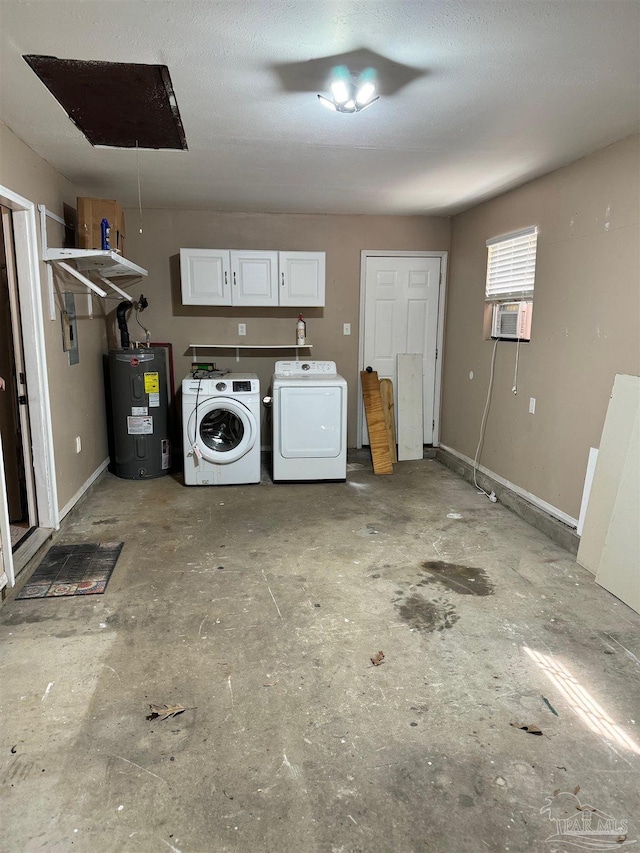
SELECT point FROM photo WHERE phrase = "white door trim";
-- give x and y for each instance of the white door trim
(28, 273)
(364, 254)
(16, 329)
(7, 575)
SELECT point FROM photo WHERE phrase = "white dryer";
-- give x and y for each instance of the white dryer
(309, 415)
(221, 429)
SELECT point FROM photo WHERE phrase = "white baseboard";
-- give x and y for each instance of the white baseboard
(547, 507)
(83, 488)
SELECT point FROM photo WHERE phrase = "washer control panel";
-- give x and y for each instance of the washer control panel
(305, 368)
(232, 385)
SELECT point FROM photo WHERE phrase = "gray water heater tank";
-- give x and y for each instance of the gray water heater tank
(139, 413)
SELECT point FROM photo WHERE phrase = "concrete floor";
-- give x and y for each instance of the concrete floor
(259, 608)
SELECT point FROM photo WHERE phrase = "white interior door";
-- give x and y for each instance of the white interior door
(401, 297)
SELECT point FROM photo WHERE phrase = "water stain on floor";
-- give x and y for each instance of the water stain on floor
(465, 580)
(427, 616)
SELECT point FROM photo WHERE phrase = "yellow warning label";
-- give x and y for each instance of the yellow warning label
(151, 383)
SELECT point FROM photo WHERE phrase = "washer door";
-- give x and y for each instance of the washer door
(223, 430)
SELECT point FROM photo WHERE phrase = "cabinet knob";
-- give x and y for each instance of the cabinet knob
(226, 280)
(234, 278)
(283, 279)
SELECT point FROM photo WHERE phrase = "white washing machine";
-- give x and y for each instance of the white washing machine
(221, 429)
(309, 413)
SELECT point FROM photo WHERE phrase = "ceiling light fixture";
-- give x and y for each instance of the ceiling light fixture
(350, 93)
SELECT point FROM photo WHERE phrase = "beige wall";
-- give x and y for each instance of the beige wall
(77, 392)
(586, 324)
(341, 237)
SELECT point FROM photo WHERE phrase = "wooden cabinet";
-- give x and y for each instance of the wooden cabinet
(248, 277)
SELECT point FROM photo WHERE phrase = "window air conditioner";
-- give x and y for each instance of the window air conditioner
(512, 320)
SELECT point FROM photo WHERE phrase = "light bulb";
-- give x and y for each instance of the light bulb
(365, 92)
(347, 95)
(366, 86)
(341, 84)
(340, 91)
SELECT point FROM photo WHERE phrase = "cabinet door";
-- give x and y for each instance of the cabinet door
(254, 278)
(302, 278)
(206, 276)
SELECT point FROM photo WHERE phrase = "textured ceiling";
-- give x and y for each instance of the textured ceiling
(477, 97)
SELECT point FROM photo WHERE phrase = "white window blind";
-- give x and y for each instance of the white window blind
(511, 266)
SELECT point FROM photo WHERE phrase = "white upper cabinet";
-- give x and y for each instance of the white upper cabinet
(255, 278)
(302, 277)
(206, 276)
(235, 277)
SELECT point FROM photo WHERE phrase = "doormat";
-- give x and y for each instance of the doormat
(73, 570)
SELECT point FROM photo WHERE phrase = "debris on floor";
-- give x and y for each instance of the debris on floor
(163, 712)
(532, 730)
(378, 659)
(575, 791)
(550, 706)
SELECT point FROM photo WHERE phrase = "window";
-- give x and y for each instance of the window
(511, 269)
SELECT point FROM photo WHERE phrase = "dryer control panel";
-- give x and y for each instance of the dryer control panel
(305, 368)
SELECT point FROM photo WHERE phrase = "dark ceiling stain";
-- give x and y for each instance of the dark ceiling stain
(427, 616)
(115, 104)
(465, 580)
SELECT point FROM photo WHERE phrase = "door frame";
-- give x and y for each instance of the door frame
(18, 350)
(364, 255)
(23, 215)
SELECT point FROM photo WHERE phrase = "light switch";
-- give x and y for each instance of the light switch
(242, 328)
(532, 405)
(346, 328)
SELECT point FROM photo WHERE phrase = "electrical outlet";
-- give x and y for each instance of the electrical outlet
(532, 405)
(346, 328)
(78, 444)
(242, 328)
